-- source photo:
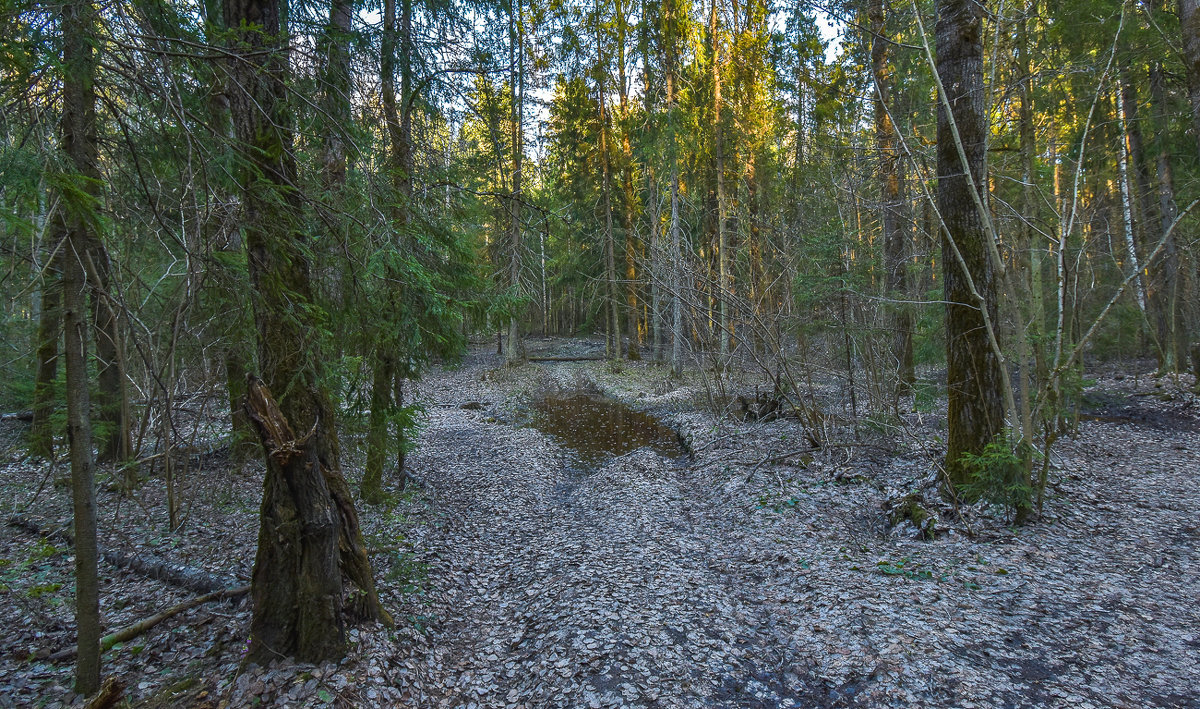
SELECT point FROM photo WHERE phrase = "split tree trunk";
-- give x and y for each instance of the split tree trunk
(311, 569)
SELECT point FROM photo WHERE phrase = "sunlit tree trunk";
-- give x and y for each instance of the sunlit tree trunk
(516, 89)
(976, 404)
(613, 335)
(311, 570)
(633, 350)
(724, 283)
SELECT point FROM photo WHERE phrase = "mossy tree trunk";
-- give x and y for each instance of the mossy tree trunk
(311, 571)
(974, 380)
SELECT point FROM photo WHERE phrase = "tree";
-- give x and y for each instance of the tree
(77, 222)
(973, 378)
(309, 546)
(895, 236)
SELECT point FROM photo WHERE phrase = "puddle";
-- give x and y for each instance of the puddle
(595, 428)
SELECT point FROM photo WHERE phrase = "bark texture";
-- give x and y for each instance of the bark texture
(311, 570)
(79, 25)
(41, 432)
(976, 409)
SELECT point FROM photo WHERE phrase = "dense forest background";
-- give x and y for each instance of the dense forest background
(331, 196)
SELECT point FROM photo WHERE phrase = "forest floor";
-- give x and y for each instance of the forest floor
(752, 573)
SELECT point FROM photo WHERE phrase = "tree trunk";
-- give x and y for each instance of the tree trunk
(724, 283)
(382, 370)
(1167, 281)
(633, 350)
(676, 252)
(41, 432)
(516, 88)
(309, 546)
(1189, 26)
(79, 25)
(976, 408)
(613, 335)
(895, 251)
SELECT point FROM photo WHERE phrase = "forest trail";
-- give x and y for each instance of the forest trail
(588, 588)
(647, 582)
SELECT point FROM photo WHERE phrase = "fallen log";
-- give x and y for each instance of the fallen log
(17, 416)
(146, 565)
(131, 631)
(590, 358)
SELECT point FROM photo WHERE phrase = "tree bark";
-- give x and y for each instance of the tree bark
(79, 26)
(724, 283)
(676, 252)
(310, 545)
(516, 89)
(895, 251)
(976, 408)
(1189, 26)
(633, 349)
(1167, 281)
(41, 432)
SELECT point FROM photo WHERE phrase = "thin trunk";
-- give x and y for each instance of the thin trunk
(112, 403)
(724, 285)
(613, 339)
(79, 25)
(516, 89)
(1126, 187)
(41, 432)
(974, 380)
(1174, 341)
(895, 251)
(634, 350)
(382, 370)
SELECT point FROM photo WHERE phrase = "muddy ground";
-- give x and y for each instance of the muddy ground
(751, 573)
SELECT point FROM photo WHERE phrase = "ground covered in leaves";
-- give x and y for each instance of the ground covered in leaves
(751, 572)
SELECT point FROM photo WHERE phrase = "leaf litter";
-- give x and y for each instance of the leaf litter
(746, 575)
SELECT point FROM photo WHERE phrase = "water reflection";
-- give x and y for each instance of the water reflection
(596, 428)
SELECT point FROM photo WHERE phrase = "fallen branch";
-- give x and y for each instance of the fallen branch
(179, 575)
(591, 358)
(17, 416)
(130, 632)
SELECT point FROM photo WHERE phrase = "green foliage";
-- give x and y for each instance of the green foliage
(998, 476)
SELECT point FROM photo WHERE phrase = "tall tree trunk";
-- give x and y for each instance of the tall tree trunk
(633, 350)
(613, 335)
(516, 88)
(676, 252)
(309, 545)
(1167, 272)
(398, 119)
(79, 27)
(1127, 205)
(976, 406)
(112, 402)
(41, 432)
(724, 283)
(1189, 26)
(895, 251)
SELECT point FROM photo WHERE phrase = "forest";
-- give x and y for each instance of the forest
(648, 353)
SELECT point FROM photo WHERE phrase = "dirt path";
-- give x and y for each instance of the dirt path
(649, 584)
